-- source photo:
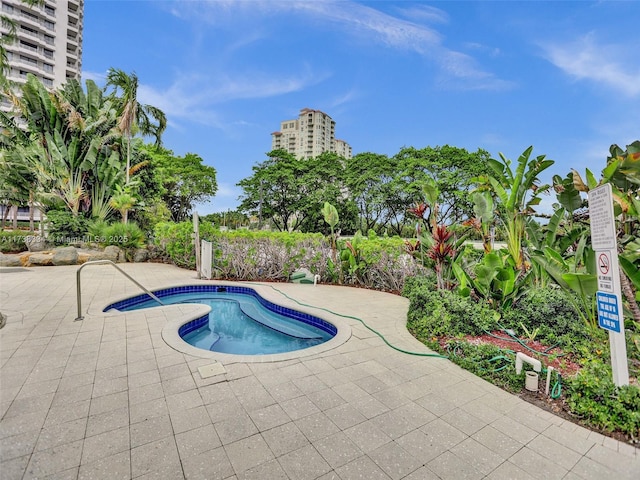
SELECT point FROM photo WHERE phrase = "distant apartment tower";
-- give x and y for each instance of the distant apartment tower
(48, 43)
(311, 134)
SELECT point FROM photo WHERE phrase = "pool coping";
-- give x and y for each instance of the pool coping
(171, 336)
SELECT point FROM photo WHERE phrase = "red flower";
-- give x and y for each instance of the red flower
(419, 210)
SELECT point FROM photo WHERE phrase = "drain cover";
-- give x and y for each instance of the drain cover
(211, 370)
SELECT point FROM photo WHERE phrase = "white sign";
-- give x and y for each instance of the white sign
(608, 296)
(607, 271)
(603, 224)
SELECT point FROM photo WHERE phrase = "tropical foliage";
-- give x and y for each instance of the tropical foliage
(72, 149)
(78, 153)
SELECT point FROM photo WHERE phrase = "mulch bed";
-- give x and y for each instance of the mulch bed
(553, 357)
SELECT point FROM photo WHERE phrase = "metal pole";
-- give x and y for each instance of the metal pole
(105, 262)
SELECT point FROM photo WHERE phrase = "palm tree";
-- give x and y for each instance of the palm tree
(133, 115)
(123, 201)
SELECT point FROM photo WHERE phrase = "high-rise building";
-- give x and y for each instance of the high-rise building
(48, 41)
(309, 135)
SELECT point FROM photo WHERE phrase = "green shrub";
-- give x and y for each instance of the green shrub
(176, 241)
(66, 228)
(444, 313)
(12, 241)
(549, 311)
(123, 235)
(592, 395)
(263, 255)
(127, 236)
(486, 361)
(417, 282)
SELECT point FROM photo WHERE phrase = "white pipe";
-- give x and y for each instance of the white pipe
(521, 358)
(546, 390)
(316, 279)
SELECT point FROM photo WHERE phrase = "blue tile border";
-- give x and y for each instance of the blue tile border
(127, 304)
(193, 325)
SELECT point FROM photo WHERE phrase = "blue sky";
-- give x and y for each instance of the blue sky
(561, 76)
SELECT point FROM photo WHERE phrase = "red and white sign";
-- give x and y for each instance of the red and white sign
(604, 263)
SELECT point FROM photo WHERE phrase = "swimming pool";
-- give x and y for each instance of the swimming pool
(240, 321)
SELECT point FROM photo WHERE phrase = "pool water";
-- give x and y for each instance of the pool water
(240, 322)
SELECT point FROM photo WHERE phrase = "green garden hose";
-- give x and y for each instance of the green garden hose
(556, 391)
(517, 340)
(408, 352)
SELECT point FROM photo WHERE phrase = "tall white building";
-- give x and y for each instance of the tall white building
(311, 134)
(48, 43)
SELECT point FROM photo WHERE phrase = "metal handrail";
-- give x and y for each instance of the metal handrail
(106, 262)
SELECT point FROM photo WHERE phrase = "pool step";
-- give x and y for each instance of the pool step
(278, 325)
(215, 337)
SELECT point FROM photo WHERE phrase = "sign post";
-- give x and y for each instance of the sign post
(609, 294)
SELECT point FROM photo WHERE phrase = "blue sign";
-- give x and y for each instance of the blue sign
(609, 314)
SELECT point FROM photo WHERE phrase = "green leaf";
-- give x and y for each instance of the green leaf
(631, 270)
(610, 170)
(591, 180)
(584, 284)
(552, 226)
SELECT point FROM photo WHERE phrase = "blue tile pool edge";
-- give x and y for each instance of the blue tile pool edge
(124, 305)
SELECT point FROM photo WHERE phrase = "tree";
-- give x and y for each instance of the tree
(453, 169)
(367, 178)
(132, 115)
(70, 146)
(323, 181)
(275, 190)
(17, 180)
(291, 192)
(185, 180)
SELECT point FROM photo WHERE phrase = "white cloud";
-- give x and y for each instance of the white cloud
(424, 13)
(362, 20)
(99, 78)
(194, 96)
(616, 66)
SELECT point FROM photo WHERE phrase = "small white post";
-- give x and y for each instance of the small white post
(196, 241)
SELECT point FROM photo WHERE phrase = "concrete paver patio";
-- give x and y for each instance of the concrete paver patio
(107, 397)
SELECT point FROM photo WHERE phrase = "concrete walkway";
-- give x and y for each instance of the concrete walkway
(107, 397)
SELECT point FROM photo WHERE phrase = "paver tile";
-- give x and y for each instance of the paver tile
(395, 461)
(108, 398)
(99, 447)
(248, 453)
(337, 449)
(304, 464)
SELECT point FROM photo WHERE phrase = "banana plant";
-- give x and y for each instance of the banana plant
(583, 283)
(352, 262)
(495, 279)
(330, 214)
(483, 208)
(518, 192)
